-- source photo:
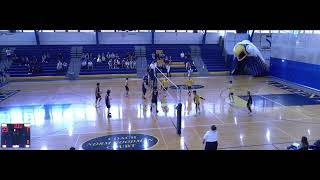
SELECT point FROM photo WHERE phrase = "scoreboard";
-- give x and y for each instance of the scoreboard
(15, 135)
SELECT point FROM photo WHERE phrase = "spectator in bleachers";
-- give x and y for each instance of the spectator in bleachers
(59, 66)
(65, 66)
(83, 56)
(27, 62)
(60, 56)
(134, 64)
(8, 53)
(83, 63)
(44, 58)
(112, 56)
(182, 54)
(99, 59)
(131, 64)
(153, 55)
(110, 64)
(87, 56)
(168, 70)
(15, 58)
(118, 63)
(103, 58)
(108, 56)
(123, 63)
(127, 65)
(90, 65)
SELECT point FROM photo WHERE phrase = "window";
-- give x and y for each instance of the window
(286, 31)
(316, 32)
(181, 30)
(144, 30)
(308, 31)
(160, 31)
(46, 31)
(231, 31)
(73, 30)
(265, 31)
(275, 31)
(86, 30)
(190, 31)
(222, 32)
(60, 30)
(107, 30)
(212, 31)
(28, 30)
(170, 30)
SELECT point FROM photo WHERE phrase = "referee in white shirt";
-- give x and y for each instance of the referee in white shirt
(210, 139)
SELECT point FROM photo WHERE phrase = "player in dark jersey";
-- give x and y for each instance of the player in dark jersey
(98, 94)
(144, 88)
(108, 104)
(154, 100)
(249, 103)
(127, 87)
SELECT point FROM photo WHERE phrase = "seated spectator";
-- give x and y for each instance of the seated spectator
(27, 62)
(44, 58)
(65, 66)
(99, 59)
(182, 54)
(127, 65)
(84, 63)
(59, 66)
(108, 56)
(134, 64)
(8, 53)
(123, 63)
(112, 56)
(103, 58)
(90, 64)
(60, 56)
(90, 56)
(118, 63)
(304, 143)
(83, 56)
(110, 64)
(87, 56)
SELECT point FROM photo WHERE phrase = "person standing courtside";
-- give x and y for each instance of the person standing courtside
(210, 139)
(249, 103)
(98, 94)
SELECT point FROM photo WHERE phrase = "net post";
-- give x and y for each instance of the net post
(179, 109)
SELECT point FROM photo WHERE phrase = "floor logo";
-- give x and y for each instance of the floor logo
(121, 142)
(186, 87)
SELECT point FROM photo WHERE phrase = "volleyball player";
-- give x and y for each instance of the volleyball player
(98, 94)
(196, 100)
(144, 88)
(154, 100)
(249, 103)
(189, 85)
(231, 92)
(108, 104)
(127, 87)
(165, 84)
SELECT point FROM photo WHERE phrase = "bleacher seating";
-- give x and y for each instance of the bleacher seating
(102, 68)
(177, 63)
(213, 58)
(48, 69)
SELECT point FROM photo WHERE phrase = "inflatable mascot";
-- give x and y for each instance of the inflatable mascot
(248, 60)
